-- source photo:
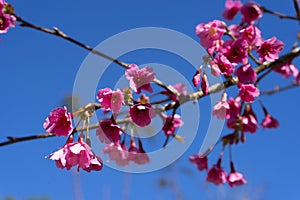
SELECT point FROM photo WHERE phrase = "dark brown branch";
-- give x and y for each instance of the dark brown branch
(280, 89)
(296, 6)
(280, 15)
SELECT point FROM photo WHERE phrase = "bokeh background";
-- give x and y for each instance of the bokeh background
(37, 75)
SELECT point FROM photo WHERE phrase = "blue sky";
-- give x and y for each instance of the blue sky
(38, 71)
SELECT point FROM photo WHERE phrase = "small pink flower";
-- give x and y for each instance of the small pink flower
(269, 49)
(141, 114)
(6, 21)
(225, 66)
(109, 131)
(73, 153)
(204, 84)
(252, 35)
(234, 108)
(250, 12)
(235, 178)
(210, 34)
(118, 153)
(216, 174)
(140, 79)
(236, 51)
(59, 122)
(171, 125)
(110, 100)
(246, 74)
(287, 70)
(249, 120)
(138, 155)
(221, 107)
(232, 8)
(197, 77)
(248, 92)
(199, 161)
(235, 29)
(269, 122)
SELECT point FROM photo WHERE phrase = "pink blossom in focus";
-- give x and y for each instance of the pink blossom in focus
(221, 107)
(287, 70)
(269, 49)
(236, 51)
(249, 120)
(59, 122)
(204, 84)
(248, 92)
(224, 65)
(235, 178)
(170, 125)
(251, 12)
(200, 162)
(246, 74)
(210, 34)
(140, 79)
(216, 174)
(252, 35)
(117, 153)
(232, 8)
(109, 131)
(269, 122)
(110, 100)
(73, 153)
(141, 114)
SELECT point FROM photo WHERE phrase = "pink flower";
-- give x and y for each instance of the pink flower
(246, 74)
(59, 122)
(6, 21)
(235, 178)
(232, 8)
(221, 107)
(216, 174)
(269, 122)
(298, 78)
(234, 108)
(73, 153)
(109, 131)
(287, 70)
(138, 155)
(234, 30)
(141, 114)
(140, 79)
(236, 51)
(269, 49)
(252, 35)
(248, 92)
(224, 65)
(210, 34)
(204, 84)
(197, 77)
(199, 161)
(118, 153)
(250, 12)
(249, 121)
(110, 100)
(171, 125)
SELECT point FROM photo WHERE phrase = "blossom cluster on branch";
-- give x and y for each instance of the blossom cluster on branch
(238, 53)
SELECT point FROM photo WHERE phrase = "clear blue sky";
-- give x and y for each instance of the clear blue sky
(38, 71)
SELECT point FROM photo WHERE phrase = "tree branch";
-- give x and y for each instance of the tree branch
(280, 15)
(280, 89)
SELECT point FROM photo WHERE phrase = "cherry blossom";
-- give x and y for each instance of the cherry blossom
(269, 122)
(224, 65)
(141, 114)
(117, 153)
(236, 51)
(171, 124)
(235, 178)
(269, 49)
(59, 122)
(248, 92)
(110, 100)
(232, 8)
(246, 74)
(221, 107)
(109, 131)
(204, 84)
(216, 174)
(251, 12)
(199, 161)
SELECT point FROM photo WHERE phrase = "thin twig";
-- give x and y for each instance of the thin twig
(280, 89)
(280, 15)
(296, 6)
